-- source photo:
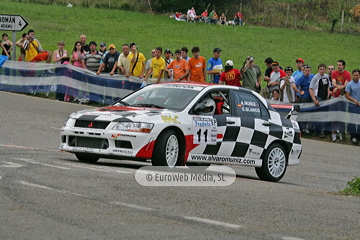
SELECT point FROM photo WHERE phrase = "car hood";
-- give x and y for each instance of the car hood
(118, 114)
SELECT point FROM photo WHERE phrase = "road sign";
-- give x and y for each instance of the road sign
(12, 22)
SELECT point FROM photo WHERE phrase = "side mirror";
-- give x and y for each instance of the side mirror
(199, 108)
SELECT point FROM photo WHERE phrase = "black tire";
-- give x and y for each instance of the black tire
(274, 164)
(167, 150)
(86, 158)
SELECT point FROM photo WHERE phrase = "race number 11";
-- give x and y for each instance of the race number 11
(204, 130)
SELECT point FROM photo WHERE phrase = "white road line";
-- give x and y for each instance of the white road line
(133, 206)
(212, 222)
(291, 238)
(99, 168)
(0, 177)
(49, 188)
(43, 164)
(12, 165)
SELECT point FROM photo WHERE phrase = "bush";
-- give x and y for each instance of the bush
(353, 187)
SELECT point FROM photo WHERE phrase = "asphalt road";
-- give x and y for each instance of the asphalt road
(48, 194)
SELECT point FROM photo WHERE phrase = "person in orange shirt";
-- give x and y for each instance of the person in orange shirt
(197, 66)
(178, 69)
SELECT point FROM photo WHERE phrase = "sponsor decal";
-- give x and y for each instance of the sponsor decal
(204, 130)
(91, 125)
(225, 159)
(251, 151)
(170, 119)
(288, 134)
(115, 136)
(123, 151)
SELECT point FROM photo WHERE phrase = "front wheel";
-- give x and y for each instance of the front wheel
(167, 150)
(274, 164)
(86, 158)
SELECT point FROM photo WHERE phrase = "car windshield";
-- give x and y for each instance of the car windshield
(169, 96)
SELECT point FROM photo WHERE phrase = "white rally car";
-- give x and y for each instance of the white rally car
(187, 123)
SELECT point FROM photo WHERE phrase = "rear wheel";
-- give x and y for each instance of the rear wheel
(274, 164)
(86, 158)
(167, 150)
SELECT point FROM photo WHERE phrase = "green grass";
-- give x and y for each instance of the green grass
(353, 187)
(55, 23)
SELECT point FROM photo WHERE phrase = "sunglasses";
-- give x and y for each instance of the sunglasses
(330, 68)
(152, 52)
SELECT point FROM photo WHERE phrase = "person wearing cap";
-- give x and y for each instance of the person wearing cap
(251, 74)
(298, 73)
(184, 52)
(103, 49)
(137, 62)
(179, 67)
(214, 66)
(286, 83)
(83, 43)
(168, 60)
(34, 51)
(230, 76)
(275, 76)
(91, 60)
(197, 66)
(109, 63)
(157, 66)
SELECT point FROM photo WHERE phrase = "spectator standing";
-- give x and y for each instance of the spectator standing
(109, 63)
(168, 59)
(91, 60)
(137, 62)
(339, 80)
(197, 66)
(157, 66)
(124, 61)
(287, 94)
(61, 55)
(303, 83)
(7, 46)
(214, 66)
(331, 68)
(301, 86)
(268, 63)
(275, 76)
(298, 73)
(230, 76)
(103, 50)
(20, 44)
(179, 67)
(251, 74)
(77, 55)
(83, 43)
(238, 18)
(319, 91)
(352, 92)
(184, 52)
(34, 51)
(148, 63)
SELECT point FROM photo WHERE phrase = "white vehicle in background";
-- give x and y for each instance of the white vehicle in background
(188, 124)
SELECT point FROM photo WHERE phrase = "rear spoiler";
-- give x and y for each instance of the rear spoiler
(294, 112)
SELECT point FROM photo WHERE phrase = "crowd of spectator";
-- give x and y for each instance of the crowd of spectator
(206, 17)
(282, 85)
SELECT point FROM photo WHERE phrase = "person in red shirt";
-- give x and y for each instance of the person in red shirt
(340, 79)
(231, 76)
(238, 18)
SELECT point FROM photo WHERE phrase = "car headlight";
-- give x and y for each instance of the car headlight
(133, 127)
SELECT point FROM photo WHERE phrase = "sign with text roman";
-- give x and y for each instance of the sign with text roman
(12, 22)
